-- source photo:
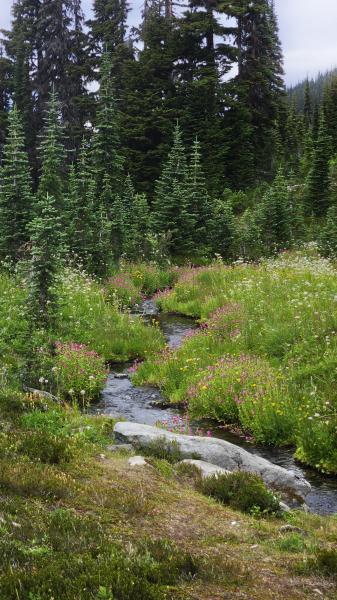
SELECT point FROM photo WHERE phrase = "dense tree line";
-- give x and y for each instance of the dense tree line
(175, 154)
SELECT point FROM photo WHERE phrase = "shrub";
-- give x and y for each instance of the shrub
(163, 449)
(80, 373)
(46, 447)
(243, 491)
(121, 290)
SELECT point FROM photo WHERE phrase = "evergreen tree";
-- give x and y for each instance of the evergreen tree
(308, 109)
(330, 111)
(328, 237)
(275, 216)
(307, 154)
(107, 161)
(260, 86)
(6, 73)
(15, 190)
(171, 207)
(293, 137)
(199, 203)
(139, 228)
(149, 99)
(108, 26)
(52, 154)
(317, 193)
(223, 229)
(47, 246)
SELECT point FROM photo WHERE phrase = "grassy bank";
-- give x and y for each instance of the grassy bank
(265, 356)
(89, 331)
(77, 523)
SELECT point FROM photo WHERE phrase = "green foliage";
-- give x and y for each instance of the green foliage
(317, 193)
(80, 373)
(279, 316)
(15, 191)
(171, 210)
(47, 246)
(275, 216)
(163, 449)
(46, 447)
(52, 156)
(242, 491)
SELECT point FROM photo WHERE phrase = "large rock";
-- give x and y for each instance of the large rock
(217, 452)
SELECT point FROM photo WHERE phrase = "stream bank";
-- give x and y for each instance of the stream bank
(121, 398)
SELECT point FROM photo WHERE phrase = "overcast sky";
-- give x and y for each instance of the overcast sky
(307, 30)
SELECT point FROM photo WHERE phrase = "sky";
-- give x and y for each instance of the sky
(307, 31)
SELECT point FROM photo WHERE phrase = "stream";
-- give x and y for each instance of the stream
(121, 398)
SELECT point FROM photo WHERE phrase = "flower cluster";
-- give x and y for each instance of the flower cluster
(80, 373)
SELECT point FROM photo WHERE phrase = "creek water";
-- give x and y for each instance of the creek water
(121, 398)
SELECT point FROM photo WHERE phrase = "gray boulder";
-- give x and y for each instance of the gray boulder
(217, 452)
(207, 469)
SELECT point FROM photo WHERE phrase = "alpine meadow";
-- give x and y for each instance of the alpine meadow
(168, 304)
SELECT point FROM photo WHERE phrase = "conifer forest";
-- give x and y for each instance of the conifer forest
(168, 305)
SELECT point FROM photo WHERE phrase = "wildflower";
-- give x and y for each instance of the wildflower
(82, 392)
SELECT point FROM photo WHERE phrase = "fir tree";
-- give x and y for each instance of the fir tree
(317, 193)
(293, 149)
(139, 228)
(328, 237)
(6, 75)
(330, 111)
(171, 208)
(223, 229)
(198, 199)
(260, 86)
(275, 216)
(308, 108)
(52, 153)
(15, 190)
(47, 246)
(107, 160)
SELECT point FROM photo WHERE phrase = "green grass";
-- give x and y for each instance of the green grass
(277, 325)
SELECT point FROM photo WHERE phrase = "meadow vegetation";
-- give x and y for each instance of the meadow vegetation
(264, 356)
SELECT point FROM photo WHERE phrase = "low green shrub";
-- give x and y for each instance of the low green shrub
(242, 491)
(163, 449)
(46, 447)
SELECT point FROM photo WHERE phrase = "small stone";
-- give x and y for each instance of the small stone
(137, 461)
(120, 447)
(284, 507)
(16, 524)
(121, 376)
(254, 546)
(234, 523)
(317, 591)
(292, 529)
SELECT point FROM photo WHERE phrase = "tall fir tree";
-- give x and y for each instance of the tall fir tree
(15, 190)
(171, 208)
(330, 111)
(308, 108)
(275, 216)
(198, 199)
(317, 192)
(107, 160)
(149, 98)
(52, 153)
(293, 140)
(259, 83)
(6, 76)
(223, 229)
(47, 247)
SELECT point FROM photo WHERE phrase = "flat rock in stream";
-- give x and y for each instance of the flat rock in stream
(217, 452)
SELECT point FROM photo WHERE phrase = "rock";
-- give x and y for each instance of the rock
(284, 507)
(137, 461)
(119, 447)
(207, 469)
(121, 375)
(217, 452)
(292, 529)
